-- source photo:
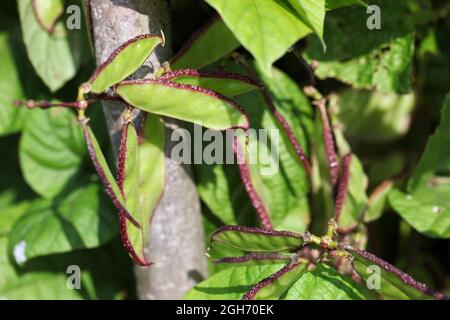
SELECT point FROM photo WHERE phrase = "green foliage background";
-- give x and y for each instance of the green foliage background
(387, 90)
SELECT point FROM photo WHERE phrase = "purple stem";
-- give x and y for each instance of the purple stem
(249, 187)
(254, 230)
(342, 191)
(269, 280)
(253, 257)
(330, 145)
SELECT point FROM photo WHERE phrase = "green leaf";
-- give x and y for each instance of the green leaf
(47, 278)
(47, 13)
(206, 46)
(82, 219)
(182, 102)
(10, 214)
(124, 61)
(51, 150)
(375, 116)
(50, 54)
(335, 4)
(427, 209)
(312, 13)
(257, 239)
(394, 284)
(436, 158)
(226, 83)
(324, 283)
(266, 28)
(378, 201)
(11, 118)
(365, 58)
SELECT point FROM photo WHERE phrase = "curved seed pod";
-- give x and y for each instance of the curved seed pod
(103, 171)
(183, 102)
(123, 62)
(141, 179)
(251, 180)
(229, 84)
(278, 283)
(128, 181)
(257, 239)
(206, 46)
(152, 170)
(48, 12)
(394, 284)
(254, 258)
(330, 145)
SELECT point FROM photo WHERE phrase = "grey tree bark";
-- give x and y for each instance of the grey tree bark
(177, 240)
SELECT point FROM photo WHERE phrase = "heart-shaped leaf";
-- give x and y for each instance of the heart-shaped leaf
(123, 62)
(183, 102)
(47, 13)
(257, 239)
(206, 46)
(394, 284)
(82, 219)
(266, 28)
(226, 83)
(50, 54)
(51, 150)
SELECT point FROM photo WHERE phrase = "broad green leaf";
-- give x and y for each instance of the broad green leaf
(50, 54)
(82, 219)
(11, 118)
(394, 284)
(198, 105)
(123, 62)
(321, 283)
(427, 209)
(152, 170)
(273, 287)
(257, 239)
(387, 69)
(365, 58)
(206, 46)
(312, 13)
(47, 13)
(324, 283)
(335, 4)
(103, 171)
(226, 83)
(436, 158)
(10, 214)
(266, 28)
(51, 150)
(378, 201)
(47, 278)
(374, 116)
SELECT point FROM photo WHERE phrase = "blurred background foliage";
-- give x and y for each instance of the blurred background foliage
(386, 89)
